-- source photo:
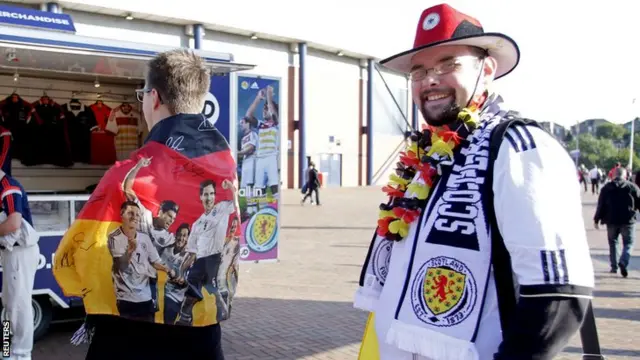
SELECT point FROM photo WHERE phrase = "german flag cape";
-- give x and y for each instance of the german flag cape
(161, 225)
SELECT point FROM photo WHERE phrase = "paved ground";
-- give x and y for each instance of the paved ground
(300, 308)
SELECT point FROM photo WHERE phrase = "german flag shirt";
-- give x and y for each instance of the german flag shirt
(162, 222)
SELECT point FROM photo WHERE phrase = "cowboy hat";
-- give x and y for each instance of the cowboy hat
(443, 25)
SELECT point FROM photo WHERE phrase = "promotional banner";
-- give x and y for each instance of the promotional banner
(217, 105)
(258, 166)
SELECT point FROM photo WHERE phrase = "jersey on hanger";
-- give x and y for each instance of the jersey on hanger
(125, 122)
(17, 116)
(51, 137)
(81, 121)
(103, 151)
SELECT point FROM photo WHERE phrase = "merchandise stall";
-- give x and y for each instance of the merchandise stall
(68, 112)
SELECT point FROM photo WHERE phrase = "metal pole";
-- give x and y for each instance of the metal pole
(198, 34)
(633, 123)
(414, 119)
(53, 7)
(302, 115)
(370, 67)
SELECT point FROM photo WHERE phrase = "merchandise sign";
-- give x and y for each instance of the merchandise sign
(217, 105)
(259, 166)
(18, 16)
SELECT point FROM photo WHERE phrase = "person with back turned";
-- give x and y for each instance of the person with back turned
(618, 206)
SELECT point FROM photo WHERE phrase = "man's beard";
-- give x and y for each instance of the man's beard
(448, 116)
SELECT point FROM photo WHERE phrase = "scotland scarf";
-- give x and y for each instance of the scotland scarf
(439, 309)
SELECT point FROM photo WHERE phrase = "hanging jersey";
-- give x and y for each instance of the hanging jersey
(17, 115)
(208, 232)
(51, 137)
(103, 151)
(101, 113)
(174, 261)
(81, 122)
(267, 139)
(132, 282)
(5, 150)
(125, 122)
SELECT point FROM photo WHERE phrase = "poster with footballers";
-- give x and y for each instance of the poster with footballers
(258, 156)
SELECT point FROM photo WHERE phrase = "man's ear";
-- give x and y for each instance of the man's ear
(156, 98)
(490, 67)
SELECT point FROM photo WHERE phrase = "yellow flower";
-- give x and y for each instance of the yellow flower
(395, 179)
(470, 117)
(440, 147)
(399, 227)
(386, 214)
(420, 190)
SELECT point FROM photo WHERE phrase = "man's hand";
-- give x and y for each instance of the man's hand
(172, 274)
(131, 245)
(227, 184)
(261, 94)
(270, 91)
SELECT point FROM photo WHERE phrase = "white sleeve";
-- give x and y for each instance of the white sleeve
(192, 240)
(539, 214)
(117, 246)
(154, 257)
(226, 207)
(253, 139)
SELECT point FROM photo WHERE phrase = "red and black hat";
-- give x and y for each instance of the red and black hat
(444, 25)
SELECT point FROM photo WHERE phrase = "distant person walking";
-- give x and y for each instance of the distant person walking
(583, 176)
(618, 207)
(594, 175)
(313, 184)
(612, 172)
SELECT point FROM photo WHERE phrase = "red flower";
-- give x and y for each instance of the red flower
(408, 216)
(448, 135)
(383, 226)
(391, 191)
(428, 173)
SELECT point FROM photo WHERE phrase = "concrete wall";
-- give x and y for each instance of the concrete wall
(118, 28)
(333, 110)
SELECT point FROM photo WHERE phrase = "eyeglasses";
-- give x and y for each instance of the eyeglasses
(140, 93)
(443, 68)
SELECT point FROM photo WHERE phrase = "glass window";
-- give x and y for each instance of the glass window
(50, 215)
(78, 205)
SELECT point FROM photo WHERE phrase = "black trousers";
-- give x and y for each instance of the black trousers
(312, 189)
(123, 339)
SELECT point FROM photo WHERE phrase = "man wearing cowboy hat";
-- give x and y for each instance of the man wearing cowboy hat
(491, 228)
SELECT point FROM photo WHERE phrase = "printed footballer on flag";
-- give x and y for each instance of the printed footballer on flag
(158, 240)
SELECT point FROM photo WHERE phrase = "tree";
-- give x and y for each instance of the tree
(594, 151)
(610, 131)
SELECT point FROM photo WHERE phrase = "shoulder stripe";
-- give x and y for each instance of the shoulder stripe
(520, 138)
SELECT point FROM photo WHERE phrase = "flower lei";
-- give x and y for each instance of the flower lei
(428, 150)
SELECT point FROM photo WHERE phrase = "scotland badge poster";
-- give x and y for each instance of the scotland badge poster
(259, 166)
